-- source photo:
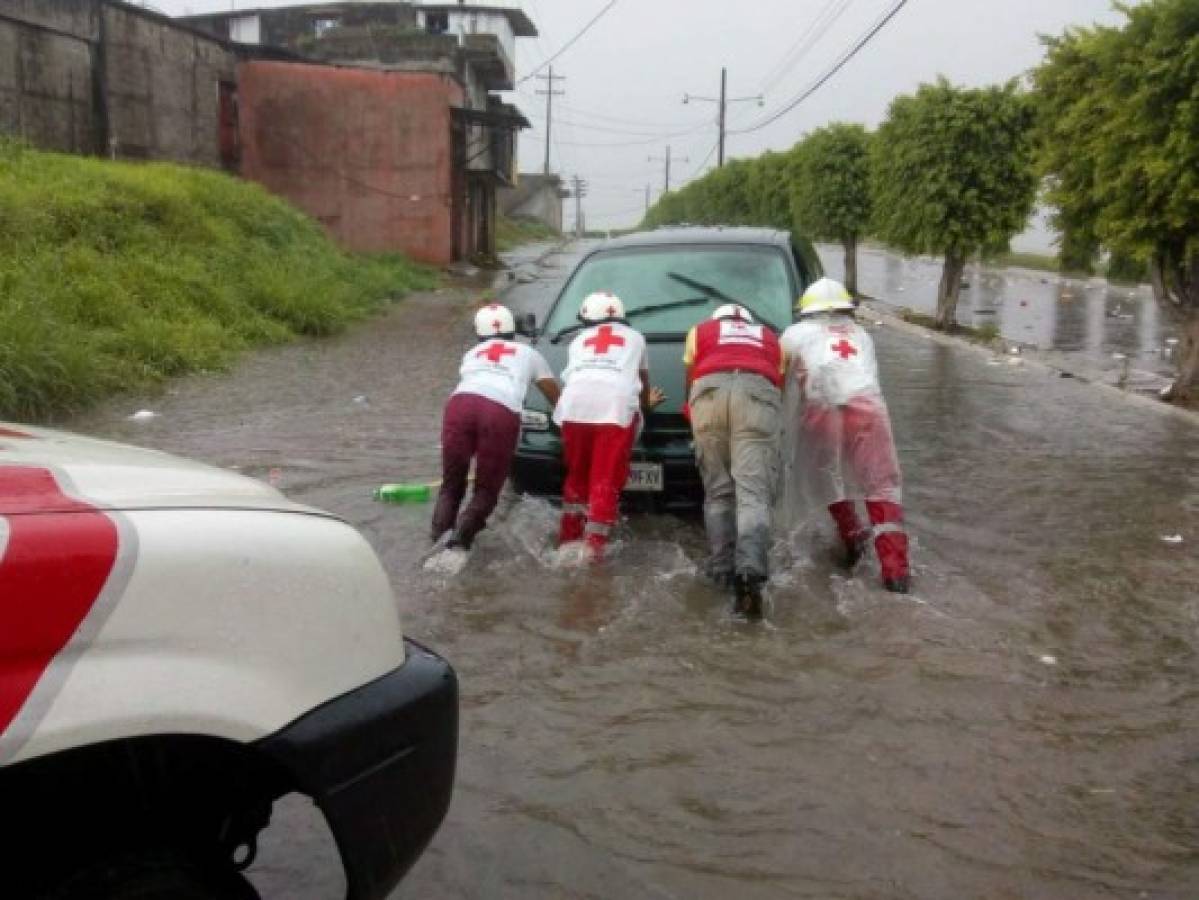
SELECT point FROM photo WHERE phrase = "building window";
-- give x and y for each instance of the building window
(320, 26)
(245, 30)
(437, 22)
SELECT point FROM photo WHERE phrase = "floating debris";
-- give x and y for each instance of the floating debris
(1049, 659)
(143, 414)
(1171, 538)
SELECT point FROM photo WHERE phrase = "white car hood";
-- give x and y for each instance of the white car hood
(122, 477)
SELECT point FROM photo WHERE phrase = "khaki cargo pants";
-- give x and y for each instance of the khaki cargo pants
(736, 417)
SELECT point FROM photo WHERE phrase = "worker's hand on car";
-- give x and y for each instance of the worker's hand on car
(656, 396)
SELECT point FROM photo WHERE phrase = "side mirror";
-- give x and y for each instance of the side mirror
(526, 325)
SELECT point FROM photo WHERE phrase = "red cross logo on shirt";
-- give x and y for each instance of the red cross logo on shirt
(496, 352)
(845, 348)
(604, 340)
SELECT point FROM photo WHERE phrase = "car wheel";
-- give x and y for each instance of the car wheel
(154, 876)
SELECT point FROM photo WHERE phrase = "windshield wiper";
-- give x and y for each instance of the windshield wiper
(707, 289)
(632, 313)
(569, 329)
(673, 304)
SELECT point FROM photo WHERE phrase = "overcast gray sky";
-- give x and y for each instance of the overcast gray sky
(626, 77)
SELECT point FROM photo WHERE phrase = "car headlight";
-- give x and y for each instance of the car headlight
(534, 420)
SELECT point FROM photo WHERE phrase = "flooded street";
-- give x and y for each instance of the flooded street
(1109, 328)
(1025, 724)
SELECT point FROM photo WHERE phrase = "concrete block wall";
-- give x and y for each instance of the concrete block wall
(98, 77)
(366, 152)
(163, 89)
(46, 73)
(534, 197)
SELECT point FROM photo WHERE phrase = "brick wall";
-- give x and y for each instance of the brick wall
(365, 152)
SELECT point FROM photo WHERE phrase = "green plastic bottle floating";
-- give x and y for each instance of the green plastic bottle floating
(403, 493)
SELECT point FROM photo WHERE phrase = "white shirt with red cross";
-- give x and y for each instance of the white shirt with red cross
(602, 376)
(502, 371)
(832, 359)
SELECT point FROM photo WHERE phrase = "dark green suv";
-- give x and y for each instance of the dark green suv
(669, 280)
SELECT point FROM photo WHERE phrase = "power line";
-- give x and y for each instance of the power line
(621, 120)
(599, 15)
(806, 41)
(604, 129)
(853, 51)
(636, 143)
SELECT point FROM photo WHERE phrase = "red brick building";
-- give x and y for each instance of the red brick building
(367, 153)
(378, 118)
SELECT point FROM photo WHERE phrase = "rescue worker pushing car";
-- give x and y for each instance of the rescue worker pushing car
(482, 422)
(844, 431)
(735, 370)
(606, 391)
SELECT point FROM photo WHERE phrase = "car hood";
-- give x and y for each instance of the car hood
(118, 476)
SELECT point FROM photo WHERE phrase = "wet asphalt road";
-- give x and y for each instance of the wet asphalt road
(1025, 725)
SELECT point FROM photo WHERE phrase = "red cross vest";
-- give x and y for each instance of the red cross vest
(728, 345)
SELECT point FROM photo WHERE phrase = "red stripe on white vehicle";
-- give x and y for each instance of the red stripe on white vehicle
(57, 557)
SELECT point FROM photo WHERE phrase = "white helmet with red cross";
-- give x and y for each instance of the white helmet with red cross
(601, 306)
(494, 320)
(733, 311)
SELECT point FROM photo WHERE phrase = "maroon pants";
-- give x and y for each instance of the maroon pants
(597, 467)
(473, 427)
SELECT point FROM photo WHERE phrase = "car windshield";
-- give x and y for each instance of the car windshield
(649, 277)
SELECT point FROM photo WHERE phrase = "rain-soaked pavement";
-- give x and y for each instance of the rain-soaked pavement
(1113, 332)
(1024, 725)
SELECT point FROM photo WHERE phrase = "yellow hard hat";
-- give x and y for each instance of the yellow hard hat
(825, 295)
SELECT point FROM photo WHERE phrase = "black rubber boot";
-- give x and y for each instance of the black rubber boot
(747, 599)
(854, 551)
(898, 585)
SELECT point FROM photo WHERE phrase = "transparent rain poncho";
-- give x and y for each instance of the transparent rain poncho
(837, 441)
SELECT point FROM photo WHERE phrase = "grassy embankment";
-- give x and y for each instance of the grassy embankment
(511, 233)
(116, 276)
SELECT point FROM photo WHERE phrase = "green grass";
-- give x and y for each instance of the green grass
(983, 334)
(1037, 261)
(116, 276)
(512, 233)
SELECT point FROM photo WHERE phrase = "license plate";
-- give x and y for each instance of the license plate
(644, 477)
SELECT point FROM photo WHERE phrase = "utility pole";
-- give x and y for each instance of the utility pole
(638, 191)
(666, 158)
(722, 103)
(580, 191)
(550, 93)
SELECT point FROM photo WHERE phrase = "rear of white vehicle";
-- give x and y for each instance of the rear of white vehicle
(179, 647)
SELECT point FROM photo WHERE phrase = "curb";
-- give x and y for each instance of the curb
(871, 304)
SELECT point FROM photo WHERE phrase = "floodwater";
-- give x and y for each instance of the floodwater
(1024, 725)
(1108, 327)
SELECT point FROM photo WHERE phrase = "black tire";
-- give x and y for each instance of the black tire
(154, 876)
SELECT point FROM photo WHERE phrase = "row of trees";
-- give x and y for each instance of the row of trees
(1108, 130)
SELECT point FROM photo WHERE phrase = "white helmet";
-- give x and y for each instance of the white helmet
(733, 311)
(493, 320)
(600, 306)
(825, 295)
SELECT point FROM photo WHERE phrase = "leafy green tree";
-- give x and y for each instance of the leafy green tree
(768, 190)
(830, 194)
(1118, 139)
(952, 174)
